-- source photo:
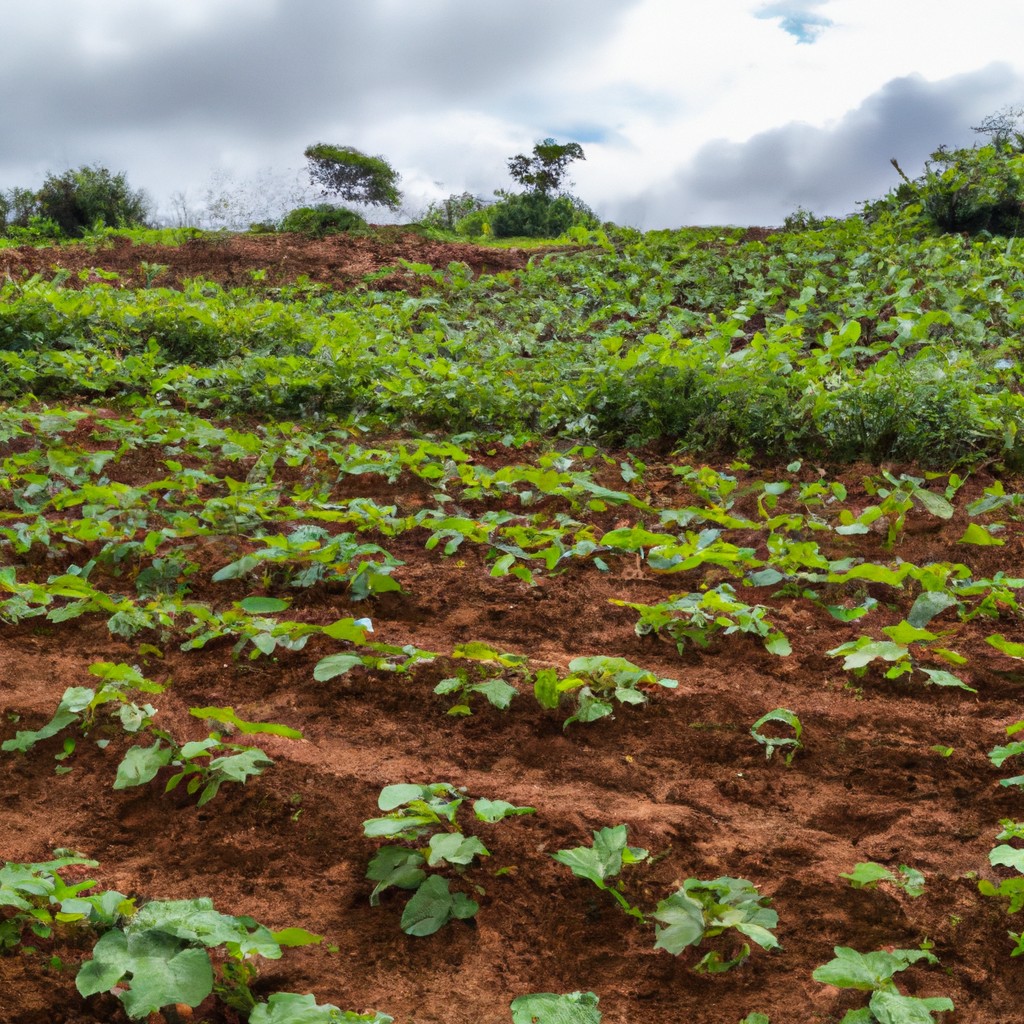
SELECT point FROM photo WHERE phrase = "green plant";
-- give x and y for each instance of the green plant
(161, 957)
(291, 1008)
(696, 617)
(531, 215)
(596, 681)
(772, 743)
(549, 1008)
(79, 199)
(414, 812)
(35, 896)
(702, 910)
(603, 861)
(1000, 754)
(873, 972)
(867, 875)
(1011, 889)
(321, 220)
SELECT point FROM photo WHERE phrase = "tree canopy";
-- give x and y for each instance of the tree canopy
(346, 172)
(545, 170)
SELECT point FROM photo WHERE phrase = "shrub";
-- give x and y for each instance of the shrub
(532, 215)
(322, 219)
(77, 200)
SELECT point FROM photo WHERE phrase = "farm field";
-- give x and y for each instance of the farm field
(556, 531)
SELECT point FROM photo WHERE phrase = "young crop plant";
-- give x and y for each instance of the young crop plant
(703, 910)
(414, 813)
(867, 875)
(292, 1008)
(604, 861)
(596, 681)
(1000, 754)
(898, 498)
(35, 896)
(791, 744)
(697, 617)
(161, 957)
(551, 1008)
(863, 652)
(873, 972)
(1010, 889)
(698, 910)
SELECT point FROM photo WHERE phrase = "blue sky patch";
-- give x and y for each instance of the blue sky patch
(797, 18)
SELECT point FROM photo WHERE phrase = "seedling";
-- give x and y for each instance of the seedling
(873, 972)
(414, 812)
(1011, 889)
(38, 898)
(868, 874)
(160, 957)
(703, 910)
(772, 743)
(596, 681)
(603, 861)
(1000, 754)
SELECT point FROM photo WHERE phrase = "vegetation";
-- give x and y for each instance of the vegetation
(353, 176)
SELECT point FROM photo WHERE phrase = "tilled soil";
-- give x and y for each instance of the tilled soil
(337, 260)
(681, 771)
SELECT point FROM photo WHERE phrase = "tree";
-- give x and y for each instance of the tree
(352, 175)
(543, 172)
(77, 200)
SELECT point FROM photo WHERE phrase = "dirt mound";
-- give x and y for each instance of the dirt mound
(232, 260)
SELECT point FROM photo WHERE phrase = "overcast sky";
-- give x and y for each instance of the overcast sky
(689, 111)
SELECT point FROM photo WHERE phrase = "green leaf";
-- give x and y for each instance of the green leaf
(395, 866)
(867, 971)
(290, 938)
(867, 875)
(891, 1007)
(682, 923)
(455, 849)
(936, 504)
(228, 716)
(549, 1008)
(263, 605)
(335, 665)
(977, 534)
(941, 677)
(904, 633)
(162, 972)
(1008, 647)
(928, 605)
(1007, 856)
(433, 905)
(496, 810)
(141, 764)
(292, 1008)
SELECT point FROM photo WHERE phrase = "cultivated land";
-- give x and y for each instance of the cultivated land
(767, 471)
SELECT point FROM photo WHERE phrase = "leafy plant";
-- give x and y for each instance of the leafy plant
(291, 1008)
(1011, 889)
(413, 812)
(696, 617)
(703, 910)
(603, 861)
(596, 681)
(35, 896)
(772, 743)
(873, 972)
(997, 755)
(161, 956)
(867, 875)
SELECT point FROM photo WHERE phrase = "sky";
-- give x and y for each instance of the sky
(689, 111)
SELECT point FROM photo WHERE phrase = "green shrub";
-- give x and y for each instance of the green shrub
(532, 215)
(475, 224)
(77, 200)
(322, 219)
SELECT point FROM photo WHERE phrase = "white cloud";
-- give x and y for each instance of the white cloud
(660, 92)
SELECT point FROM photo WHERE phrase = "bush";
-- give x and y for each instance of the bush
(532, 215)
(322, 219)
(475, 224)
(447, 214)
(78, 200)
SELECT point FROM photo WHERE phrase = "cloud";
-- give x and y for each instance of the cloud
(797, 17)
(826, 169)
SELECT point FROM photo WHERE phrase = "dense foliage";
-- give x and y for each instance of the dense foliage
(851, 342)
(354, 176)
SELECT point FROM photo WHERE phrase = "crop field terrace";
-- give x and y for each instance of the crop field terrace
(627, 632)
